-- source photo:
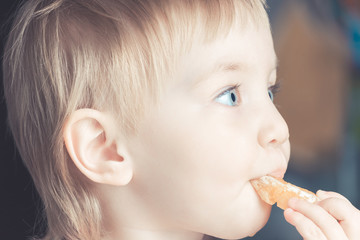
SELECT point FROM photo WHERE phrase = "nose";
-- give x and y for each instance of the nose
(273, 129)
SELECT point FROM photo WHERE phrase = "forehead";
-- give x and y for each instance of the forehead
(245, 50)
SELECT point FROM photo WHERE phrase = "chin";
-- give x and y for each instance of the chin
(247, 228)
(260, 224)
(263, 215)
(257, 217)
(257, 224)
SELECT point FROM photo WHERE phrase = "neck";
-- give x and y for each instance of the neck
(127, 216)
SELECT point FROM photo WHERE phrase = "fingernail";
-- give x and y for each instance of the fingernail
(320, 193)
(289, 210)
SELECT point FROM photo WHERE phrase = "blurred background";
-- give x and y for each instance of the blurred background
(318, 46)
(20, 206)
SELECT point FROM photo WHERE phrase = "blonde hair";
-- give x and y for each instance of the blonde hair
(63, 55)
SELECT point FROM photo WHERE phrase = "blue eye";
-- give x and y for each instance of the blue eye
(273, 90)
(271, 95)
(229, 97)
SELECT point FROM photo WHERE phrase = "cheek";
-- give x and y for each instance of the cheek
(192, 149)
(197, 171)
(209, 149)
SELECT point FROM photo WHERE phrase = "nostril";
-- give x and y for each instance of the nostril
(274, 141)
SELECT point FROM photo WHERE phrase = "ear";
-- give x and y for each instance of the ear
(91, 139)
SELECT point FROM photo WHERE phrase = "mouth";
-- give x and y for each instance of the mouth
(280, 170)
(277, 166)
(278, 173)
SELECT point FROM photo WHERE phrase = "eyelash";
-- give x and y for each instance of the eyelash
(228, 90)
(274, 89)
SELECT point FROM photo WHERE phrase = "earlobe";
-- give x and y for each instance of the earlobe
(92, 143)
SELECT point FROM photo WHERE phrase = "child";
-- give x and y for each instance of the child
(142, 119)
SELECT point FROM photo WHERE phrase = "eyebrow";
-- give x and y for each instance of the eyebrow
(232, 66)
(228, 67)
(221, 67)
(225, 67)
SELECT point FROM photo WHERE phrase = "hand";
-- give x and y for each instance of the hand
(332, 218)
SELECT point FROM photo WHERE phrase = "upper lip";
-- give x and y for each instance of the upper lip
(279, 172)
(280, 169)
(277, 163)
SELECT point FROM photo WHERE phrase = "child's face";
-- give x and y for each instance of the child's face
(215, 129)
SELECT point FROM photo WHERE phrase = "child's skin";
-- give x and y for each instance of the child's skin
(332, 218)
(195, 153)
(187, 171)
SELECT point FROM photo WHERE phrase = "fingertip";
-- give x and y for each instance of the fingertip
(328, 194)
(292, 216)
(292, 202)
(321, 194)
(288, 213)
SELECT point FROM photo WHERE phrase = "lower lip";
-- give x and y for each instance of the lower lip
(278, 173)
